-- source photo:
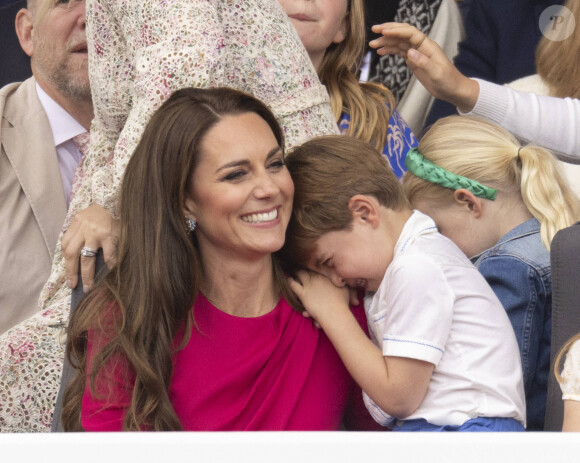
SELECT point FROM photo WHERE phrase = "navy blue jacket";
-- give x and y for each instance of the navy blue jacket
(500, 44)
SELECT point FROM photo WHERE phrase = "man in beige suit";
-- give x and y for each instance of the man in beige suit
(40, 120)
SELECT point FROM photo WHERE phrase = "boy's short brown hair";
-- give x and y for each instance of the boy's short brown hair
(327, 172)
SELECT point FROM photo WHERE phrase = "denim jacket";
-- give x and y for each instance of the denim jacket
(518, 270)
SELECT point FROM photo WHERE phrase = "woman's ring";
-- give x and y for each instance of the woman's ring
(88, 252)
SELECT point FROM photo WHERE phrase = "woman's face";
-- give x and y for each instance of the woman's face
(241, 193)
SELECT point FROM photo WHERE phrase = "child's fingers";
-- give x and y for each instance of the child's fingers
(353, 296)
(295, 286)
(298, 281)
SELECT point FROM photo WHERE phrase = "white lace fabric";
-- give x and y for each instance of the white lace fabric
(570, 384)
(139, 53)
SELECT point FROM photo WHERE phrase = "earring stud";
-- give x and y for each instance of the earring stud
(191, 223)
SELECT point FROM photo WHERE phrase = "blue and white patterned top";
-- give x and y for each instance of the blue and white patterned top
(400, 139)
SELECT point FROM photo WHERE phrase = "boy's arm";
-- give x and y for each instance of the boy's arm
(396, 384)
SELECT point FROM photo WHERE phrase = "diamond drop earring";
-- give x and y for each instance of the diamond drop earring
(191, 223)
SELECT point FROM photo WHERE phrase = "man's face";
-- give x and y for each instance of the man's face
(59, 54)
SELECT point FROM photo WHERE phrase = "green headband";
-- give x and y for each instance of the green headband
(425, 169)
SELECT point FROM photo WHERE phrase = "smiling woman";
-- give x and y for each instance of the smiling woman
(138, 57)
(241, 192)
(194, 329)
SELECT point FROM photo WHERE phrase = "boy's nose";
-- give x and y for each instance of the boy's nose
(337, 280)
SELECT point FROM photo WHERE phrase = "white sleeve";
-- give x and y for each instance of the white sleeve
(420, 310)
(547, 121)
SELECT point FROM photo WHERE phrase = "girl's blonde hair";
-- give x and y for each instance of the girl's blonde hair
(484, 152)
(369, 105)
(557, 62)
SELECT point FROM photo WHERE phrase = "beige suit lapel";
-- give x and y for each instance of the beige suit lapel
(29, 146)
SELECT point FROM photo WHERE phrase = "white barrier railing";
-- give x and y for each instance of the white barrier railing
(291, 447)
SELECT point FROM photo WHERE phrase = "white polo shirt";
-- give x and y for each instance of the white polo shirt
(434, 305)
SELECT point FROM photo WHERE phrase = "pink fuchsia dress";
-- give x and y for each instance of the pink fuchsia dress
(271, 373)
(139, 53)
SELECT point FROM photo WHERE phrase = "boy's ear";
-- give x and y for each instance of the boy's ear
(470, 202)
(364, 208)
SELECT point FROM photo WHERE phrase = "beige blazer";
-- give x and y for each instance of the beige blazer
(32, 205)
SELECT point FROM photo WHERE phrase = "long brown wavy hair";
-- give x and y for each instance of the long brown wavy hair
(138, 307)
(369, 105)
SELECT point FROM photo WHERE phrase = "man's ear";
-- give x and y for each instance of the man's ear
(469, 202)
(24, 25)
(364, 208)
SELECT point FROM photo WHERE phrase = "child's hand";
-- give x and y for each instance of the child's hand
(318, 295)
(428, 62)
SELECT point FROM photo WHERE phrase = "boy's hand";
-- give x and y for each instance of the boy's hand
(428, 62)
(318, 295)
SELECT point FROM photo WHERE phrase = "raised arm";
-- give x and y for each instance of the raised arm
(548, 121)
(428, 62)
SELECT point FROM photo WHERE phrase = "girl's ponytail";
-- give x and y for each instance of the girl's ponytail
(545, 191)
(481, 151)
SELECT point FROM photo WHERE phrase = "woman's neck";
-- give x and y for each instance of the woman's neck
(240, 287)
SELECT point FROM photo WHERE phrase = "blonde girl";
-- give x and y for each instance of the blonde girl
(333, 33)
(501, 203)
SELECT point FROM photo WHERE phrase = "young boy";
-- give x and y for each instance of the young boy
(443, 355)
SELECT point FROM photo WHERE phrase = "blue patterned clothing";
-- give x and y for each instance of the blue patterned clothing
(400, 139)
